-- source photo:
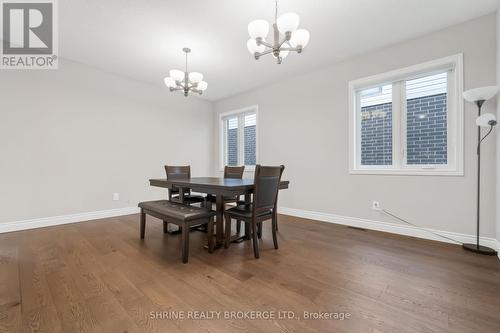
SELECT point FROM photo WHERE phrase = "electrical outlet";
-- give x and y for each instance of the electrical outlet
(376, 205)
(116, 196)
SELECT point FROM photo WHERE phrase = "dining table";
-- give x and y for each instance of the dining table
(215, 186)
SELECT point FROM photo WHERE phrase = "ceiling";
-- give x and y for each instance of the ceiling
(143, 40)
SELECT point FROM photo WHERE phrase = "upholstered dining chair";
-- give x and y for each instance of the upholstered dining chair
(265, 197)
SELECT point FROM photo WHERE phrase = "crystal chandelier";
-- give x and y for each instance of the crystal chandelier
(185, 81)
(286, 36)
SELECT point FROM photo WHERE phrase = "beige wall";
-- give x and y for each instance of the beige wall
(303, 123)
(71, 137)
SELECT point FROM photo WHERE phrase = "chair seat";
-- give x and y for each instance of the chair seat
(176, 210)
(245, 211)
(212, 198)
(189, 198)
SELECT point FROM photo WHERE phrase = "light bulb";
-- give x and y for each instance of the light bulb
(177, 75)
(202, 86)
(299, 38)
(253, 47)
(258, 29)
(195, 77)
(287, 22)
(169, 82)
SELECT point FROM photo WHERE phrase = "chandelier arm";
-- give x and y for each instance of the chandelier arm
(197, 91)
(263, 42)
(290, 49)
(283, 42)
(264, 53)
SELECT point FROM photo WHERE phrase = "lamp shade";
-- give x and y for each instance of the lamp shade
(486, 120)
(195, 77)
(169, 82)
(258, 29)
(202, 86)
(253, 47)
(287, 22)
(480, 94)
(300, 37)
(177, 75)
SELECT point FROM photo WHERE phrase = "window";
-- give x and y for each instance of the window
(408, 121)
(239, 137)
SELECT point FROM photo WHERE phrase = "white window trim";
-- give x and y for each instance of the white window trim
(222, 136)
(456, 104)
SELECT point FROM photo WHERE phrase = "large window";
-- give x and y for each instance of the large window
(239, 137)
(408, 121)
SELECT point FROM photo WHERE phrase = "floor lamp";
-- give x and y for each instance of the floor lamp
(478, 96)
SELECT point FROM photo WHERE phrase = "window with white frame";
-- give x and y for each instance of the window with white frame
(239, 137)
(408, 121)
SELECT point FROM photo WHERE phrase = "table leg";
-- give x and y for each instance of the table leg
(181, 194)
(248, 199)
(219, 222)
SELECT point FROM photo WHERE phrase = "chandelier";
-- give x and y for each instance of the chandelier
(286, 36)
(185, 81)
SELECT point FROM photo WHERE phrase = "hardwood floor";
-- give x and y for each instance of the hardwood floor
(98, 276)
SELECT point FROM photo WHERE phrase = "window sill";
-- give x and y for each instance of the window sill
(407, 172)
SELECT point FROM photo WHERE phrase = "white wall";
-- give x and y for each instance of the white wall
(71, 137)
(303, 123)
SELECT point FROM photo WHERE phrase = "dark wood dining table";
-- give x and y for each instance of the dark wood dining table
(218, 187)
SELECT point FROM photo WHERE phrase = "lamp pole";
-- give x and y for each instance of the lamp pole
(479, 105)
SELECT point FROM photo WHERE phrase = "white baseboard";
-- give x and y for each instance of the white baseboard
(393, 228)
(65, 219)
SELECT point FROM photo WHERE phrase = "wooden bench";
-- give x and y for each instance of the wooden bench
(182, 215)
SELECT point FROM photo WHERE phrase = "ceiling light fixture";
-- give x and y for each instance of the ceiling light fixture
(286, 25)
(185, 81)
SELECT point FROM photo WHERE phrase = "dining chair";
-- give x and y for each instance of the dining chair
(263, 207)
(235, 172)
(232, 172)
(181, 172)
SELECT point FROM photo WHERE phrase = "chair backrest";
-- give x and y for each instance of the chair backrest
(267, 180)
(178, 172)
(234, 172)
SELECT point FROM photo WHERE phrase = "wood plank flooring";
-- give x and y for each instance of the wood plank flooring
(98, 276)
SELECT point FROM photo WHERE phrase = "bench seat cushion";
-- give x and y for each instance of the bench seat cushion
(176, 210)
